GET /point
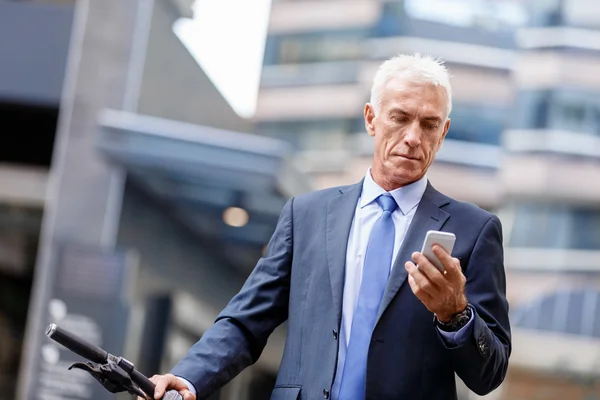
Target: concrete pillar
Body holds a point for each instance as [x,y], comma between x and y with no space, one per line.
[104,70]
[158,313]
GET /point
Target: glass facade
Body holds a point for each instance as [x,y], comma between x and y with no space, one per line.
[555,226]
[335,73]
[575,312]
[335,45]
[571,13]
[492,24]
[562,108]
[338,56]
[565,118]
[322,134]
[477,123]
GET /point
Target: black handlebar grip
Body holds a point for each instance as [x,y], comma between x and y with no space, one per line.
[144,383]
[148,387]
[76,344]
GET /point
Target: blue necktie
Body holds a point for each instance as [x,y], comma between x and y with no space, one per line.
[376,270]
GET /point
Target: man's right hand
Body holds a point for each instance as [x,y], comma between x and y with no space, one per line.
[170,382]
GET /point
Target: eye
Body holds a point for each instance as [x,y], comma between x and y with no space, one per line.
[430,125]
[399,118]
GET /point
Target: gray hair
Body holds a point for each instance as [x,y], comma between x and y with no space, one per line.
[419,68]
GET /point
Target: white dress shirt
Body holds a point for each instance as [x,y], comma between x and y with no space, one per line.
[366,214]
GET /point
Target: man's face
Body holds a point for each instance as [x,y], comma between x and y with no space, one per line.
[408,130]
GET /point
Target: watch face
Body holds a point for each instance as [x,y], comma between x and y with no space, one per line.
[463,318]
[459,320]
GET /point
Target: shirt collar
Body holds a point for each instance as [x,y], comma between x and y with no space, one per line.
[407,197]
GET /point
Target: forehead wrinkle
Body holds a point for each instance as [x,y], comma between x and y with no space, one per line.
[430,115]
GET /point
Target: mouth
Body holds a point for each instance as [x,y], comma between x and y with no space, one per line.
[408,157]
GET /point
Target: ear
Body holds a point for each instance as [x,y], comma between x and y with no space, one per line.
[370,119]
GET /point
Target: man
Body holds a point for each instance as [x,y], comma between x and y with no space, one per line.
[368,315]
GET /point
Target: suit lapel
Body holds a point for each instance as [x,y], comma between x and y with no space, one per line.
[428,217]
[340,214]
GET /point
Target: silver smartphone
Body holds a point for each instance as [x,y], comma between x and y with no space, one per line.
[444,239]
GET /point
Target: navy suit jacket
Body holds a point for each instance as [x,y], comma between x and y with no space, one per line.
[301,277]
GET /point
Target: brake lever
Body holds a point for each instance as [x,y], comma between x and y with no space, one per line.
[111,376]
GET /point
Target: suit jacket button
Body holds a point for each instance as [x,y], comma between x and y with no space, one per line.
[326,393]
[335,334]
[482,346]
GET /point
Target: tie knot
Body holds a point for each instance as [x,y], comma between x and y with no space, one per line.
[387,202]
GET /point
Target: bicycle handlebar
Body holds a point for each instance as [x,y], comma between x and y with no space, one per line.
[144,383]
[77,345]
[97,355]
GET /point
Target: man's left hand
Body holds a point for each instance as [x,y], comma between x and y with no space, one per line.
[442,293]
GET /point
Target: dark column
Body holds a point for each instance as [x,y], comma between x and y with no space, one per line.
[158,311]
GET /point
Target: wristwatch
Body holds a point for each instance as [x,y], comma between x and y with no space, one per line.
[458,320]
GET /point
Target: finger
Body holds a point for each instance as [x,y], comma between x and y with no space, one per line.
[421,280]
[418,292]
[162,383]
[187,395]
[429,270]
[451,264]
[442,255]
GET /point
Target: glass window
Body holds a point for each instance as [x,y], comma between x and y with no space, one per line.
[576,113]
[390,22]
[553,226]
[575,312]
[593,317]
[316,47]
[561,109]
[334,73]
[471,21]
[326,134]
[545,13]
[481,124]
[531,109]
[540,112]
[596,119]
[467,13]
[546,312]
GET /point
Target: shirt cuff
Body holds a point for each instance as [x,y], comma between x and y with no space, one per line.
[460,337]
[189,384]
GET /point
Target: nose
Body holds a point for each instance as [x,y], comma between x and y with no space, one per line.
[413,135]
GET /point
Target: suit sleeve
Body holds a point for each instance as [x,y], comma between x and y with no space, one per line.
[241,330]
[482,360]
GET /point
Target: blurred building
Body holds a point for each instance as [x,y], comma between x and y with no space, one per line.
[151,162]
[156,200]
[551,208]
[320,62]
[523,143]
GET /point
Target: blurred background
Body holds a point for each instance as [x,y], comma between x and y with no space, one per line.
[148,147]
